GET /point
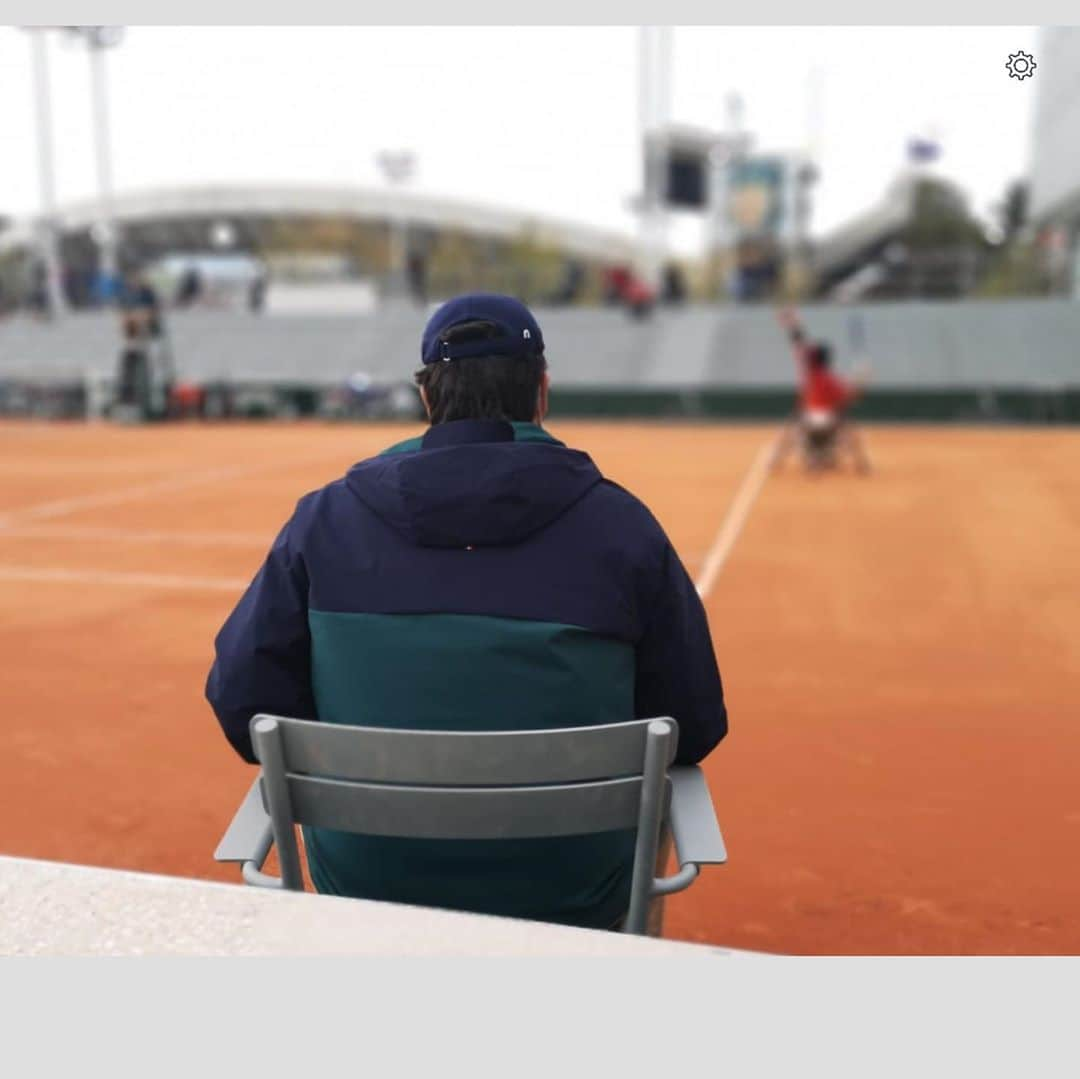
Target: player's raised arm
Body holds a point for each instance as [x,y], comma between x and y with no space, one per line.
[788,318]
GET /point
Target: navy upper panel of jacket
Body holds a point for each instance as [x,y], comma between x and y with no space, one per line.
[482,577]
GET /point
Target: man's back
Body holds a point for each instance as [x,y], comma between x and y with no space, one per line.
[484,577]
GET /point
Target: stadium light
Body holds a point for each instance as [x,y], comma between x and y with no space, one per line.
[97,39]
[397,165]
[222,234]
[48,238]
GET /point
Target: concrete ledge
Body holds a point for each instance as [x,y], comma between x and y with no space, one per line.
[51,908]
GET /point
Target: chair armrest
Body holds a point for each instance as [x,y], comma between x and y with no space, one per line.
[694,829]
[248,839]
[694,826]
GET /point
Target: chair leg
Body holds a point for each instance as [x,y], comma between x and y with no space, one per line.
[655,925]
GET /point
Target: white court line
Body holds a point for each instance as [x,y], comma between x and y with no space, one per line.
[71,467]
[64,533]
[137,580]
[730,529]
[736,517]
[60,506]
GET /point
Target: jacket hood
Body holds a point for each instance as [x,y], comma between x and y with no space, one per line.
[474,493]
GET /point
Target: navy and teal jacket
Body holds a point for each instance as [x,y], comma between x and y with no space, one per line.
[482,577]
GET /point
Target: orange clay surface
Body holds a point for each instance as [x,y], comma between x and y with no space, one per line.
[901,656]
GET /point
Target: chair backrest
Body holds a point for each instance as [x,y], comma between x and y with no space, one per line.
[458,784]
[466,784]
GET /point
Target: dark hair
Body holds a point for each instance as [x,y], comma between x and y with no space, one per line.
[820,355]
[481,387]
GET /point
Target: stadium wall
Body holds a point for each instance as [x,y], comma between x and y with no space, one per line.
[1016,360]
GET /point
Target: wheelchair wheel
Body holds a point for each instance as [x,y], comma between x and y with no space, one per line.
[819,447]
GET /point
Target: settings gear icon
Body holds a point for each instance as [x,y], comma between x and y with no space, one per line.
[1020,65]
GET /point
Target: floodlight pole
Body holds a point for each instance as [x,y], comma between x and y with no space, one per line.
[654,115]
[815,130]
[398,167]
[726,154]
[717,232]
[97,40]
[104,164]
[48,239]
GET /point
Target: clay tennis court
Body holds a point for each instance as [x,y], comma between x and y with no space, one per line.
[901,656]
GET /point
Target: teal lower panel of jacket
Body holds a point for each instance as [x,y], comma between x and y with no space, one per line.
[470,672]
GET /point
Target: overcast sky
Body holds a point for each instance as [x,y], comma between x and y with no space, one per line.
[540,119]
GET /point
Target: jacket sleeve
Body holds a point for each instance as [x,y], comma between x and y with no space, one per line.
[263,651]
[677,674]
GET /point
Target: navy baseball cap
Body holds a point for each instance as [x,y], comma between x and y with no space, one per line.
[515,333]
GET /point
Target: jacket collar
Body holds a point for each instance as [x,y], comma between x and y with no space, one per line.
[463,432]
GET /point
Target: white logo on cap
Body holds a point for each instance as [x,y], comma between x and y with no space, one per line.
[526,334]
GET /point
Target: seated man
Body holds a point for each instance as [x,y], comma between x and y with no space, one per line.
[146,372]
[824,399]
[481,577]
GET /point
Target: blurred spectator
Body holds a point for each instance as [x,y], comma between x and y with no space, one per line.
[616,280]
[416,271]
[106,288]
[79,286]
[640,298]
[569,288]
[674,284]
[141,306]
[623,286]
[69,285]
[190,287]
[257,293]
[38,298]
[187,400]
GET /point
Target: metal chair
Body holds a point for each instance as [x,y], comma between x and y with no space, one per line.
[476,785]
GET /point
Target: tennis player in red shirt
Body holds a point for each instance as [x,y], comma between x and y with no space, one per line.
[821,424]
